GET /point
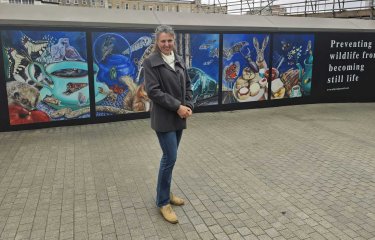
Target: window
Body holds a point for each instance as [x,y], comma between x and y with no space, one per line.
[126,6]
[150,8]
[144,8]
[118,6]
[76,2]
[157,8]
[67,1]
[177,9]
[84,2]
[101,3]
[134,7]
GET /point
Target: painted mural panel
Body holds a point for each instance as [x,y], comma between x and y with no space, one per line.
[202,61]
[245,61]
[292,65]
[46,75]
[120,81]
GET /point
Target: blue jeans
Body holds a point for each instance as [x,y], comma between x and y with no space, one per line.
[169,142]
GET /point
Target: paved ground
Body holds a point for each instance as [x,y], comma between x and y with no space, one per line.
[297,172]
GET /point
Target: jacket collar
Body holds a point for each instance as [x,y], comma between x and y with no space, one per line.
[157,60]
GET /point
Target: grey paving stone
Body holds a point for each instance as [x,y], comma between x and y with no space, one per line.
[81,236]
[192,235]
[206,235]
[264,237]
[296,172]
[229,229]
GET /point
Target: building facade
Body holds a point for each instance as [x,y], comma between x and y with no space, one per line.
[83,3]
[151,5]
[18,2]
[166,6]
[145,5]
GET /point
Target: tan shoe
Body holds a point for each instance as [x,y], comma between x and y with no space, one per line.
[168,213]
[176,200]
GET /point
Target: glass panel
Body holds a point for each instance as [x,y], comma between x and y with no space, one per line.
[202,60]
[47,76]
[292,65]
[119,83]
[245,59]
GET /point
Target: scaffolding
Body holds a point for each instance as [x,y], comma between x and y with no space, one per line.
[312,8]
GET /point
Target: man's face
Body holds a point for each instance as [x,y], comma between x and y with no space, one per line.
[166,43]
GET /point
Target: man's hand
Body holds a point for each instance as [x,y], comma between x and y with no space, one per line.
[184,112]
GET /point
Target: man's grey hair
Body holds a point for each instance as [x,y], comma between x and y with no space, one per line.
[162,29]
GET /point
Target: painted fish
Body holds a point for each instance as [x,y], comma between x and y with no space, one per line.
[51,100]
[142,42]
[139,63]
[204,46]
[74,87]
[208,62]
[214,53]
[236,48]
[231,71]
[145,55]
[107,46]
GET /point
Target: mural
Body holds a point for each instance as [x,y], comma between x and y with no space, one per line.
[292,65]
[202,61]
[120,82]
[245,61]
[46,76]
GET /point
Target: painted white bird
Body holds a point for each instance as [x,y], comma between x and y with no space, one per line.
[62,50]
[58,49]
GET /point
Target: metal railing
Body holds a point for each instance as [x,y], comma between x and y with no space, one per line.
[322,8]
